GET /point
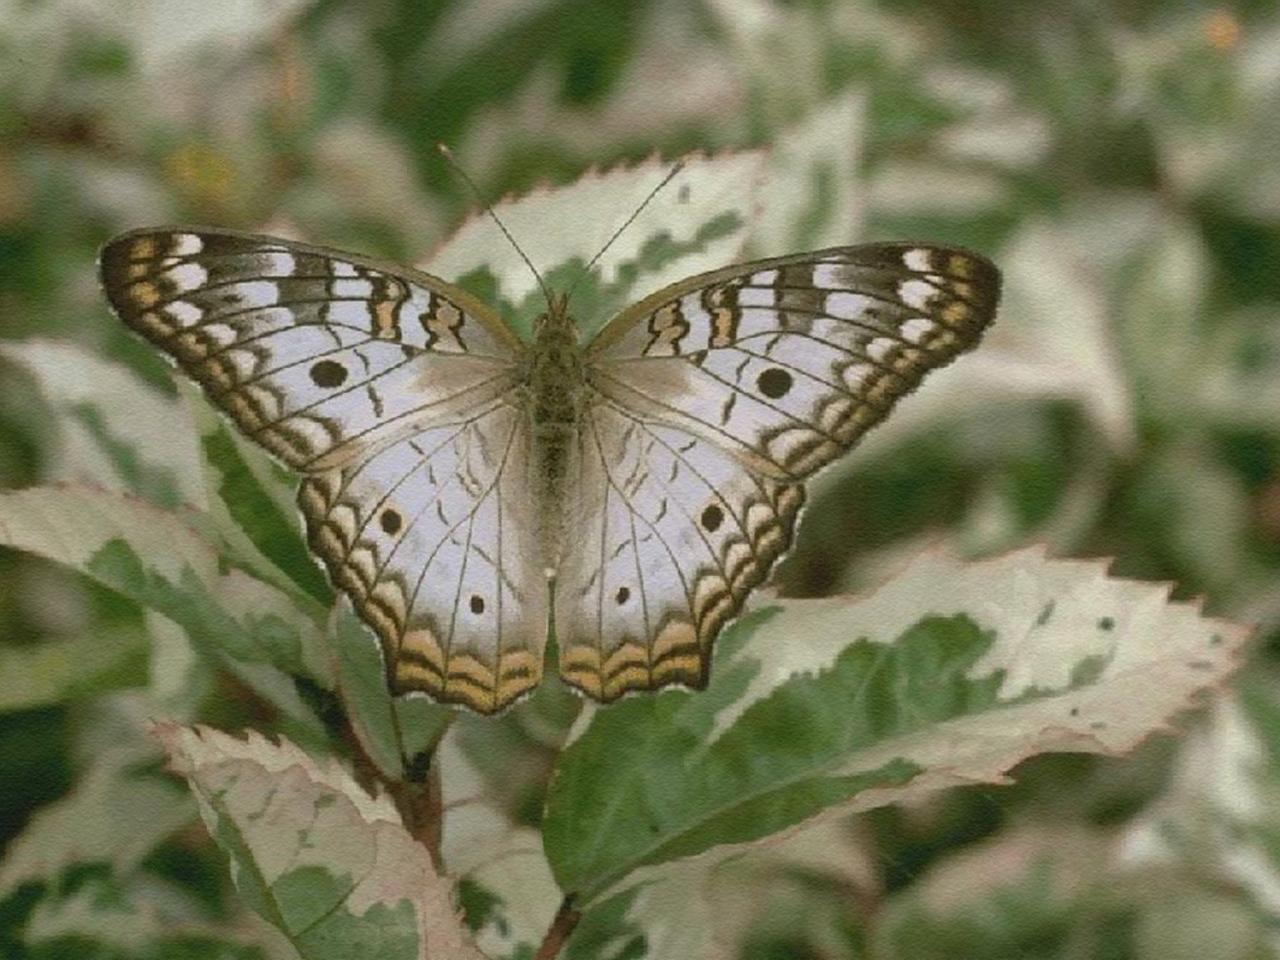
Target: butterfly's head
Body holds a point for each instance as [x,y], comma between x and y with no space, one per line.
[556,322]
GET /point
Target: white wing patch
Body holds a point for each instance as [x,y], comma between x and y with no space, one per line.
[788,362]
[433,539]
[315,357]
[672,535]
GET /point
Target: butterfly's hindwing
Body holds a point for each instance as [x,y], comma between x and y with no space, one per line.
[314,354]
[671,534]
[432,537]
[787,362]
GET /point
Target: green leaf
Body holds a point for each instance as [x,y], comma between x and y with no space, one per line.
[685,789]
[505,885]
[1162,329]
[157,558]
[122,807]
[67,668]
[950,673]
[391,730]
[142,917]
[111,428]
[257,498]
[1018,896]
[1218,821]
[315,855]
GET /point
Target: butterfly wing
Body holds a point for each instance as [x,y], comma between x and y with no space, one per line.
[714,399]
[314,354]
[391,390]
[671,535]
[431,537]
[787,362]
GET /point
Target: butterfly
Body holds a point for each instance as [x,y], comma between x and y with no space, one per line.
[475,493]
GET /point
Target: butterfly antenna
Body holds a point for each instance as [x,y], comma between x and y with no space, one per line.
[586,271]
[453,161]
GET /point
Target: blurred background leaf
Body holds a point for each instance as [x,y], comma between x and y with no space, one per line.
[1118,161]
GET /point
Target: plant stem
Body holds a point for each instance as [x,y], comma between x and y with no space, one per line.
[421,804]
[565,920]
[421,807]
[366,771]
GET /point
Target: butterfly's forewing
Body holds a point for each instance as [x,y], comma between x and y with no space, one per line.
[788,361]
[313,353]
[769,370]
[391,390]
[433,538]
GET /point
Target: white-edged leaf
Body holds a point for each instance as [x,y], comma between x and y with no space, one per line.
[361,172]
[706,906]
[252,502]
[158,558]
[698,222]
[1030,884]
[111,429]
[992,127]
[496,861]
[329,865]
[121,807]
[180,678]
[812,196]
[914,188]
[1051,340]
[169,36]
[146,917]
[951,673]
[666,909]
[675,75]
[1218,819]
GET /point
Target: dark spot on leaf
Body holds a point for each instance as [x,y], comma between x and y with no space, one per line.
[1215,640]
[477,603]
[1106,623]
[774,383]
[1097,725]
[712,517]
[1088,670]
[1075,711]
[623,595]
[390,522]
[328,373]
[1046,613]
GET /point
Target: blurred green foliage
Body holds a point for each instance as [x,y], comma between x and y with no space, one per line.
[1119,161]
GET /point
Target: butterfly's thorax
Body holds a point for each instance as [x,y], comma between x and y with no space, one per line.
[556,385]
